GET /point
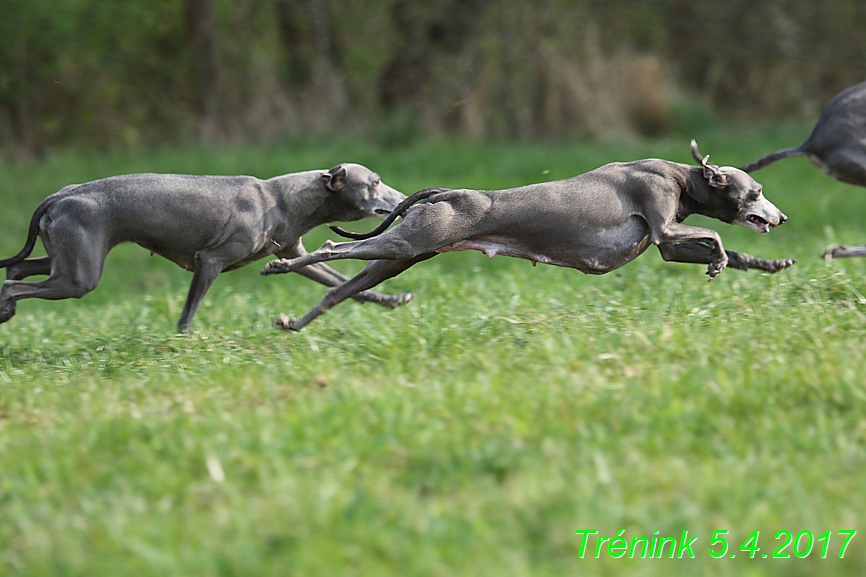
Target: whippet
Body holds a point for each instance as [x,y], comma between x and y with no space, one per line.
[595,222]
[837,146]
[205,224]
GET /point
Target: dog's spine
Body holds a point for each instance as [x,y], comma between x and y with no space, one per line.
[32,233]
[773,157]
[401,208]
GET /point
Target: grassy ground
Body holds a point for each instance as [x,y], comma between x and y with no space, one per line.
[470,433]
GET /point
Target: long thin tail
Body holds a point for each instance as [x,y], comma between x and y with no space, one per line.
[32,233]
[401,208]
[773,157]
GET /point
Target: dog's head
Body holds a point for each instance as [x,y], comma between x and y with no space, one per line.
[732,196]
[357,192]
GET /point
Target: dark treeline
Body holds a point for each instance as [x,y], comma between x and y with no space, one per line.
[109,73]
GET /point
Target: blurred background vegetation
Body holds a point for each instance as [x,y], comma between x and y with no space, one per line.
[131,73]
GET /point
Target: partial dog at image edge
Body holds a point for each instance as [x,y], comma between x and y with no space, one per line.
[837,147]
[595,222]
[205,224]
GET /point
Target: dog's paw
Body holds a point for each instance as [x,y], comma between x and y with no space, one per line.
[782,264]
[831,251]
[394,301]
[716,268]
[287,324]
[7,311]
[275,267]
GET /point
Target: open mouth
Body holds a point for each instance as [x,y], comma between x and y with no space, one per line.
[761,224]
[381,212]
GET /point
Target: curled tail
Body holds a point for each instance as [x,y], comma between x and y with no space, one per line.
[773,157]
[401,208]
[32,233]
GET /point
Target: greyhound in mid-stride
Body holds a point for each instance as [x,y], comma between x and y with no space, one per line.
[837,146]
[205,224]
[595,222]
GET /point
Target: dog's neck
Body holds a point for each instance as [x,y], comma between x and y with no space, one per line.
[698,197]
[302,194]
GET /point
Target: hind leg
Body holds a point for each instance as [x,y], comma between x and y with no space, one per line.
[374,273]
[29,267]
[388,246]
[323,274]
[75,262]
[20,271]
[57,287]
[327,276]
[426,229]
[847,165]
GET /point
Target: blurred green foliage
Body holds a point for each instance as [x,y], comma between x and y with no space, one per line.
[110,73]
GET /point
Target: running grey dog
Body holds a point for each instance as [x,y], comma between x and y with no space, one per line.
[595,222]
[837,146]
[205,224]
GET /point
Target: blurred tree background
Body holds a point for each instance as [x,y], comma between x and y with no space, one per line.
[114,73]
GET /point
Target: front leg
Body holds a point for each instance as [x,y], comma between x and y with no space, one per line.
[673,235]
[699,253]
[743,261]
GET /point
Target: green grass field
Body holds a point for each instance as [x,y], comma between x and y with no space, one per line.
[470,433]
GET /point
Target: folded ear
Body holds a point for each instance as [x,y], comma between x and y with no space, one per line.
[714,175]
[335,178]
